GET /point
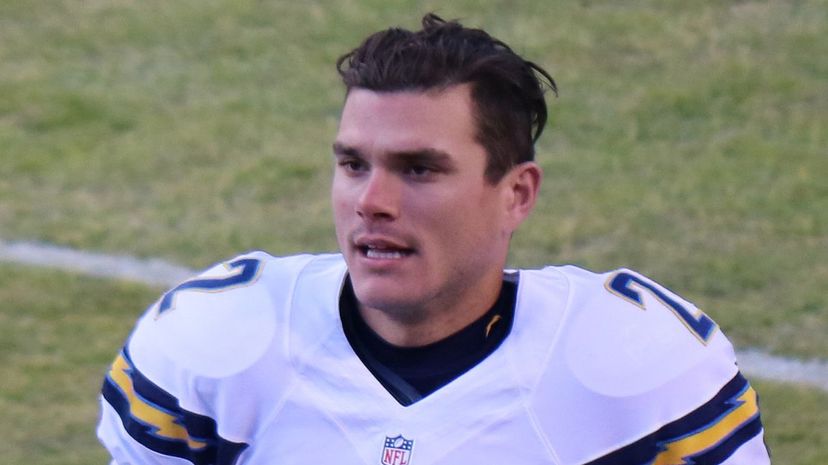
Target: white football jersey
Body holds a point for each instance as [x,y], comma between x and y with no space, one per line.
[248,364]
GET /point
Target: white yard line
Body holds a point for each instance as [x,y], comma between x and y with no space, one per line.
[757,363]
[156,272]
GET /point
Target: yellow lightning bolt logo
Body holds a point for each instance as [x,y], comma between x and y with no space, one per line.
[678,451]
[165,425]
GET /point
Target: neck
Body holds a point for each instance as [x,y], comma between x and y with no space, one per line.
[437,320]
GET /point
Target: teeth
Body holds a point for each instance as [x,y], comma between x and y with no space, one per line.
[383,254]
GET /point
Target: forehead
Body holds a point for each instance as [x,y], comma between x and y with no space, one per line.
[408,120]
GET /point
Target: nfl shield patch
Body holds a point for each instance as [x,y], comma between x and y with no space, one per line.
[397,450]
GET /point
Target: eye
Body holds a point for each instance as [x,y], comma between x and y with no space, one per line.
[352,165]
[420,172]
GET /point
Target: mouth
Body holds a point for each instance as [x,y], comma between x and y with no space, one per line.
[383,250]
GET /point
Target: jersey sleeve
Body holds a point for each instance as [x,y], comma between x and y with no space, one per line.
[142,423]
[179,390]
[724,430]
[723,426]
[647,378]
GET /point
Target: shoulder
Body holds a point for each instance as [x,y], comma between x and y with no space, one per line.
[632,353]
[223,319]
[620,332]
[207,363]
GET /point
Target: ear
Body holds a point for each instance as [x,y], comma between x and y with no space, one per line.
[522,186]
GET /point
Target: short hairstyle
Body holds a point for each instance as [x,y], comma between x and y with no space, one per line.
[507,91]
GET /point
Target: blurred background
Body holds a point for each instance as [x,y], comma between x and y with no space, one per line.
[688,142]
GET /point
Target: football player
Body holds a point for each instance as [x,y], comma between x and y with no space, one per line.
[413,345]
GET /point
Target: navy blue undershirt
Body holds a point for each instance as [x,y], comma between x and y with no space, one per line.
[411,373]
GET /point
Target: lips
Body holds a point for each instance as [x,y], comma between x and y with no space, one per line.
[382,248]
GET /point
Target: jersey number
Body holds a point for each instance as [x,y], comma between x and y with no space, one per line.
[627,286]
[245,271]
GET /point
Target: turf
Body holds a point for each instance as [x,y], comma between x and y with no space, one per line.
[687,142]
[58,333]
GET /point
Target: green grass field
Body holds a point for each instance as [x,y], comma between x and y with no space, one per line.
[688,142]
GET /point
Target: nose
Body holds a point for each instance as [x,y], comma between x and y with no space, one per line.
[379,197]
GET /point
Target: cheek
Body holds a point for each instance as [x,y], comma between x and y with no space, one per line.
[480,229]
[341,206]
[462,222]
[340,195]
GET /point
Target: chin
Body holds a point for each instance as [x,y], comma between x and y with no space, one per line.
[389,298]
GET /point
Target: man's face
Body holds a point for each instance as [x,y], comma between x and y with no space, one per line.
[420,227]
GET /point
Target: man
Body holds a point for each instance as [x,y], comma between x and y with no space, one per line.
[414,346]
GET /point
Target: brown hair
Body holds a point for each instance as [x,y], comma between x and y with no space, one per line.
[507,91]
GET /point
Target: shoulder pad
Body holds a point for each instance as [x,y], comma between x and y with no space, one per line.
[626,334]
[221,321]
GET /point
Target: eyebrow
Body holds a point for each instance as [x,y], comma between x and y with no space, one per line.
[423,155]
[344,150]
